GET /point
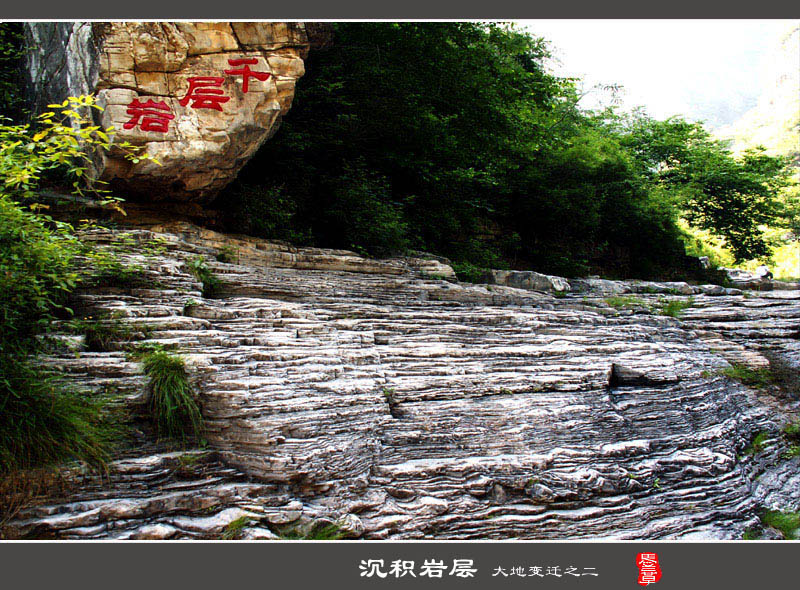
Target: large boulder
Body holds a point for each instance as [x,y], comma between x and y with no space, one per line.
[530,280]
[200,97]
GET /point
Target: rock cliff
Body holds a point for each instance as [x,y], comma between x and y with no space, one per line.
[202,97]
[369,394]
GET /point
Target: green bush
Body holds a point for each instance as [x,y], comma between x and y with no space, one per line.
[228,255]
[625,301]
[265,212]
[757,444]
[42,420]
[36,275]
[792,431]
[415,149]
[108,271]
[171,403]
[469,273]
[361,215]
[106,334]
[212,284]
[12,63]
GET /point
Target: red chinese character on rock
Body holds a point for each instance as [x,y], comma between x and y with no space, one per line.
[204,92]
[246,73]
[150,116]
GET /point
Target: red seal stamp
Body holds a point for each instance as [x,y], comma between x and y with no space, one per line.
[649,570]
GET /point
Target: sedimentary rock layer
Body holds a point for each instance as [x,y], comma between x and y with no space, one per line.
[363,392]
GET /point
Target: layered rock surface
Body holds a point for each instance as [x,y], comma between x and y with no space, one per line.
[178,70]
[363,392]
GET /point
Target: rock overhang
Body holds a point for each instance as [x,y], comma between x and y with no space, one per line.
[199,98]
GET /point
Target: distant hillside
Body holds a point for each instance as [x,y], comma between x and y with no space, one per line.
[775,121]
[775,124]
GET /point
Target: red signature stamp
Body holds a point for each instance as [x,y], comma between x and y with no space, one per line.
[649,570]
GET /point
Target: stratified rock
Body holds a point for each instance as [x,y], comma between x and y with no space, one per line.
[674,288]
[743,279]
[599,286]
[201,139]
[534,281]
[341,390]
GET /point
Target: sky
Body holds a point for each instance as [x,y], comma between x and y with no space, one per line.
[706,70]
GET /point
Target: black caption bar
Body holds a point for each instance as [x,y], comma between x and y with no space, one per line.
[435,565]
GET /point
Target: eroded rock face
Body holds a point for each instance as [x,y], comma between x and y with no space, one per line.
[361,392]
[178,70]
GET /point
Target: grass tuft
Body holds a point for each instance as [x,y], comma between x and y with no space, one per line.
[330,532]
[626,301]
[752,377]
[234,529]
[792,452]
[172,406]
[792,431]
[787,523]
[757,444]
[751,534]
[44,421]
[675,307]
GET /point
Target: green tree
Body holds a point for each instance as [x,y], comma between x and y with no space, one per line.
[731,197]
[455,138]
[12,83]
[422,120]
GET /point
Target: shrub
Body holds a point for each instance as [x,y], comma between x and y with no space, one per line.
[792,431]
[172,406]
[757,444]
[228,255]
[469,273]
[36,255]
[108,271]
[792,452]
[43,420]
[212,285]
[751,534]
[100,335]
[261,211]
[12,62]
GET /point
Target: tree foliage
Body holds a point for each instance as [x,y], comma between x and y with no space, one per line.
[455,138]
[730,197]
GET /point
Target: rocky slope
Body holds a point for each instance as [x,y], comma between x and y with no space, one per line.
[376,395]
